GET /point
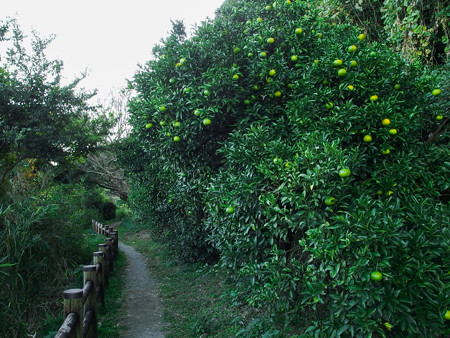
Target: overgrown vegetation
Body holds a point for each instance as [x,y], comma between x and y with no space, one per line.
[44,203]
[304,157]
[416,28]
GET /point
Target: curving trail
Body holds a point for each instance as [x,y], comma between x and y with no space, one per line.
[143,307]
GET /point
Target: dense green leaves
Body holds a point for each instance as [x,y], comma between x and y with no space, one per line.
[39,117]
[282,128]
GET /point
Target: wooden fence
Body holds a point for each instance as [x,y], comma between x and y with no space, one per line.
[80,305]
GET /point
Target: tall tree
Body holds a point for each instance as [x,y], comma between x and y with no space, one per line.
[39,117]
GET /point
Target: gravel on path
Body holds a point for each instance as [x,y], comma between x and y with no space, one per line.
[143,307]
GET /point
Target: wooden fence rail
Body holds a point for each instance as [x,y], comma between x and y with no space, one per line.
[80,305]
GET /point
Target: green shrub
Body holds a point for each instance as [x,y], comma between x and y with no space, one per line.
[41,242]
[260,184]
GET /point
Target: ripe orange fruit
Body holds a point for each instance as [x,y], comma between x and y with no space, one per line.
[345,172]
[386,122]
[376,276]
[206,122]
[436,92]
[393,131]
[374,98]
[367,138]
[342,72]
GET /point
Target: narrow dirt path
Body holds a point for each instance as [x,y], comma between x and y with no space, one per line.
[143,306]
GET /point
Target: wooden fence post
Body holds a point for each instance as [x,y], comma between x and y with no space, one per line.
[116,241]
[73,314]
[109,243]
[99,261]
[104,249]
[90,301]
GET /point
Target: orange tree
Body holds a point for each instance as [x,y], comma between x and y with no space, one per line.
[311,161]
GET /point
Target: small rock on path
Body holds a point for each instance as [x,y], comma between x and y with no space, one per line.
[144,312]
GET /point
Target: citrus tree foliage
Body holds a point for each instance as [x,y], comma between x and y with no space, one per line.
[313,162]
[40,118]
[417,28]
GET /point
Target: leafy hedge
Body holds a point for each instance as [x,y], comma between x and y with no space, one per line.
[241,134]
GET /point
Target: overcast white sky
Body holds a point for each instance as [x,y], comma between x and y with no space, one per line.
[106,37]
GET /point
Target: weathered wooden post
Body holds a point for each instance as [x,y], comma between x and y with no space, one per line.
[90,301]
[73,314]
[104,249]
[109,243]
[107,230]
[99,262]
[115,243]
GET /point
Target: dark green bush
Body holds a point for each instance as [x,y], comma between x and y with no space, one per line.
[109,210]
[260,184]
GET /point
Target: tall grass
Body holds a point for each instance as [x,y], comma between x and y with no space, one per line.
[41,242]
